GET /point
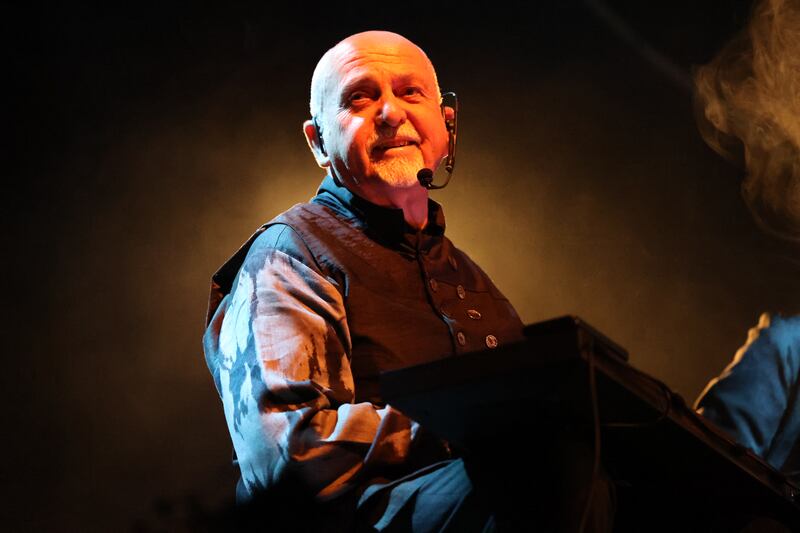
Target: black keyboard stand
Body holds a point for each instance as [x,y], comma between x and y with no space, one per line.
[673,470]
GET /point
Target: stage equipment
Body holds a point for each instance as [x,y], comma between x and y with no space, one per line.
[673,470]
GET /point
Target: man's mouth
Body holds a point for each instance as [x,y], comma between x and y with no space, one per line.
[392,144]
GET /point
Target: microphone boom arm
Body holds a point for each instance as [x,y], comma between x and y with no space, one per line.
[425,175]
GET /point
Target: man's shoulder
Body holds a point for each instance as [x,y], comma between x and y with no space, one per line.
[283,235]
[297,233]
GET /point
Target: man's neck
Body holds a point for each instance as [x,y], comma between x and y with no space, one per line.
[412,200]
[415,209]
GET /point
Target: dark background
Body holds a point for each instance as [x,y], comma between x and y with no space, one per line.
[148,142]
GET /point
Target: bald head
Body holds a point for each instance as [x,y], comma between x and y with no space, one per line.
[378,119]
[384,43]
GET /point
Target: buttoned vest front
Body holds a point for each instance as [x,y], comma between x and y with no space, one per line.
[407,303]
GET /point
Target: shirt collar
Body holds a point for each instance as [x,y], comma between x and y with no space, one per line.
[383,222]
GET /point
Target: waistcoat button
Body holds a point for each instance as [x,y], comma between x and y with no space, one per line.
[491,341]
[461,292]
[462,340]
[474,314]
[434,285]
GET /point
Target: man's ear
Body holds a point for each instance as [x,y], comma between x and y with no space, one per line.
[310,131]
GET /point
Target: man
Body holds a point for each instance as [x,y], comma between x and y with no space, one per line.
[360,280]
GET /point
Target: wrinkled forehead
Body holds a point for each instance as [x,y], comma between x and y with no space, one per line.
[352,61]
[352,64]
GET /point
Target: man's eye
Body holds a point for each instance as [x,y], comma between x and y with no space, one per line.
[412,91]
[358,97]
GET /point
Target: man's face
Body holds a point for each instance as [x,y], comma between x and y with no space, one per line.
[381,120]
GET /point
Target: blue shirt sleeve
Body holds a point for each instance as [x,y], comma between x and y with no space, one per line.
[756,399]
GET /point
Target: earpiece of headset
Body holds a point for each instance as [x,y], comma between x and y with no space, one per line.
[450,99]
[318,133]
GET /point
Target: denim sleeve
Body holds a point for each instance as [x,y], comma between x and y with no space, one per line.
[755,399]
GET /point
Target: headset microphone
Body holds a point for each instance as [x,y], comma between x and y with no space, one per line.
[425,175]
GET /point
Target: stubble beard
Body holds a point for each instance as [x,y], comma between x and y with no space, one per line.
[400,171]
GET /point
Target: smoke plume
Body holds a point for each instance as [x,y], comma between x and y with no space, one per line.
[748,103]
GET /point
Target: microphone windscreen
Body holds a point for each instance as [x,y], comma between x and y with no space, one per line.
[425,177]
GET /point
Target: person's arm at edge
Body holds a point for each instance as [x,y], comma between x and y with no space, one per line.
[755,399]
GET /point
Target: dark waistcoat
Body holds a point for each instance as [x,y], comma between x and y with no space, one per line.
[410,296]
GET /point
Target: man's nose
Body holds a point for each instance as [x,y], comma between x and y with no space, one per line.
[391,113]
